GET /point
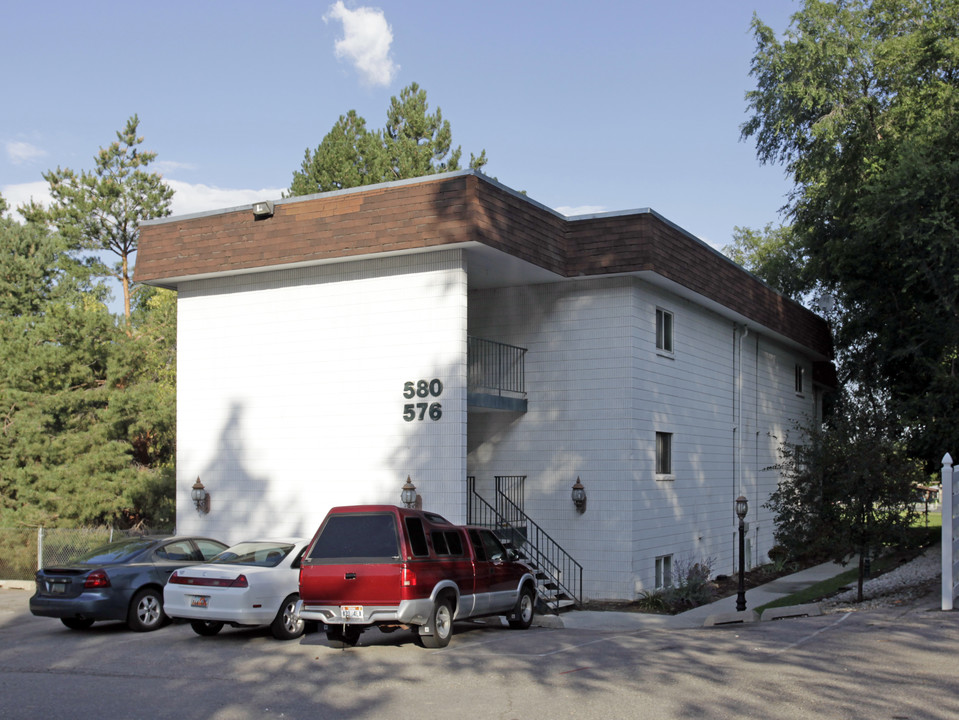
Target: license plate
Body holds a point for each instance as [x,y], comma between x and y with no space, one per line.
[351,612]
[58,588]
[200,601]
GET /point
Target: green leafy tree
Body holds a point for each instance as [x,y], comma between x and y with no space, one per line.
[848,487]
[414,143]
[349,156]
[86,410]
[101,211]
[771,254]
[860,102]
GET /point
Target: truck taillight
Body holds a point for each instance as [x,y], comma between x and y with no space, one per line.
[97,579]
[409,577]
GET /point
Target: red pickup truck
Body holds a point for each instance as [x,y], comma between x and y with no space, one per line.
[396,567]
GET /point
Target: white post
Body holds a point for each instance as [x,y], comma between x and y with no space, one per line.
[39,548]
[948,533]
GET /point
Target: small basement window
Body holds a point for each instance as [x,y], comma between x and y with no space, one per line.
[664,572]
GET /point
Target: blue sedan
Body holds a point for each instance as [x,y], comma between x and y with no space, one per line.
[120,581]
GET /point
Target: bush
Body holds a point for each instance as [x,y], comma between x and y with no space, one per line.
[692,586]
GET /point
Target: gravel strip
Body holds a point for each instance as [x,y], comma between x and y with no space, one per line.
[907,582]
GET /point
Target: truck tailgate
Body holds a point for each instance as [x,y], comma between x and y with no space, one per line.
[351,584]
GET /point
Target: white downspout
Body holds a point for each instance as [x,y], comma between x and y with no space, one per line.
[739,422]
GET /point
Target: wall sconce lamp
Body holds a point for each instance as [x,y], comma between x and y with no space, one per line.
[579,496]
[262,210]
[408,495]
[201,498]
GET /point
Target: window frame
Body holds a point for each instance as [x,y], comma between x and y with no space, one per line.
[664,454]
[665,330]
[663,572]
[800,379]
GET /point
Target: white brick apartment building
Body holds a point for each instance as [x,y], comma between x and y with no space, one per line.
[448,328]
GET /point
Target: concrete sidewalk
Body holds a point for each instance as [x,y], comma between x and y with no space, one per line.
[720,612]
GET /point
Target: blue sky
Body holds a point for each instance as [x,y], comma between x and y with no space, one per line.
[588,107]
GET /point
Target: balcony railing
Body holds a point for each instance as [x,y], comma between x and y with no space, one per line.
[496,375]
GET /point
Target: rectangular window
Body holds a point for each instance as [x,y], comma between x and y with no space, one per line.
[664,453]
[664,572]
[800,374]
[417,537]
[664,330]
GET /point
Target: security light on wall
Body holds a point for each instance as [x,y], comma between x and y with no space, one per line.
[263,209]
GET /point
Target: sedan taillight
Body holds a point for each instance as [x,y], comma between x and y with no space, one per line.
[97,579]
[241,581]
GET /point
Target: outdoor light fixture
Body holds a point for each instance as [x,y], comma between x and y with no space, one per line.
[408,496]
[742,507]
[579,496]
[263,209]
[201,498]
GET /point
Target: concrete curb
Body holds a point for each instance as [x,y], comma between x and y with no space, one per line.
[549,621]
[17,584]
[794,611]
[746,616]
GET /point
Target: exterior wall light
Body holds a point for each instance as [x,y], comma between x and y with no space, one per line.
[579,496]
[201,498]
[408,495]
[262,210]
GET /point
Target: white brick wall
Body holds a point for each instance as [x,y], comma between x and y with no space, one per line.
[290,400]
[598,392]
[290,392]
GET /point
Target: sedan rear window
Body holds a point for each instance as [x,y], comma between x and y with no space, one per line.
[116,552]
[357,536]
[263,554]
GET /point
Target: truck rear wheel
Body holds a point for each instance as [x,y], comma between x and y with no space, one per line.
[440,625]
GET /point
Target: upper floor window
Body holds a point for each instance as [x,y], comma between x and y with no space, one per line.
[664,453]
[664,330]
[800,377]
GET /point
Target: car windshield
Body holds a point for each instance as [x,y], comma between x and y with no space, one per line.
[264,554]
[116,552]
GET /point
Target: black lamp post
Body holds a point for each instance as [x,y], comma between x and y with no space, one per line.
[742,507]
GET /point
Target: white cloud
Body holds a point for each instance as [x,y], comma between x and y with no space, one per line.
[170,166]
[188,198]
[17,195]
[194,198]
[22,152]
[572,211]
[366,42]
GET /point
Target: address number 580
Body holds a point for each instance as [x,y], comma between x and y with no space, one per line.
[421,410]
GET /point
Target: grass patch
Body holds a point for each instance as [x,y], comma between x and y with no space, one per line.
[931,520]
[827,588]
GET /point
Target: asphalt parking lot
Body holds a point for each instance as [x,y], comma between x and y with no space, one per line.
[896,663]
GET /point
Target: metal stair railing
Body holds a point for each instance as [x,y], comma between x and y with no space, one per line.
[546,554]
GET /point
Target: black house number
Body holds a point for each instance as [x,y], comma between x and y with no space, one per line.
[422,389]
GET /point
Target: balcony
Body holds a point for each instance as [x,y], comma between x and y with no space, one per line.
[496,377]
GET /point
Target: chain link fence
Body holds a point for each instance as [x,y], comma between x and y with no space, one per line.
[24,550]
